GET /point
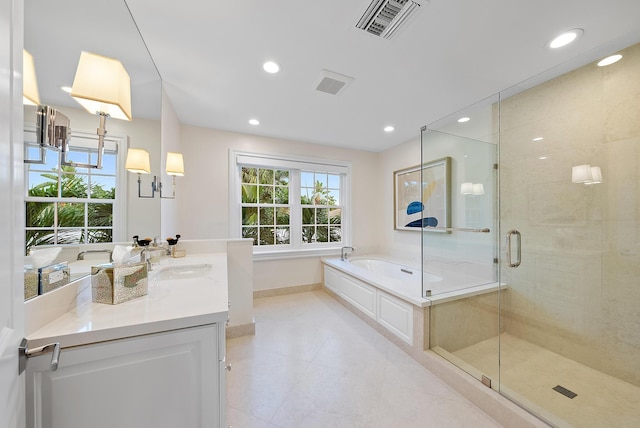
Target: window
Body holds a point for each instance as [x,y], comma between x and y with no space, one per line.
[289,204]
[73,205]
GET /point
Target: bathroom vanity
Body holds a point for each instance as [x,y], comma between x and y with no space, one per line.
[155,361]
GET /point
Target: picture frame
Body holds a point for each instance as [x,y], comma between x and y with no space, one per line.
[422,197]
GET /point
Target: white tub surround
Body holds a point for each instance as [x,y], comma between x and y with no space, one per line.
[147,359]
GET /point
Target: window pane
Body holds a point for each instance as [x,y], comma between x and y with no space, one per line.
[266,235]
[250,232]
[282,177]
[266,194]
[100,215]
[249,175]
[265,176]
[266,216]
[40,237]
[322,216]
[70,214]
[322,233]
[308,234]
[306,179]
[109,162]
[334,181]
[71,236]
[321,180]
[335,234]
[282,195]
[335,216]
[40,214]
[43,184]
[282,235]
[282,216]
[308,216]
[249,216]
[78,157]
[249,194]
[103,187]
[99,235]
[333,197]
[74,186]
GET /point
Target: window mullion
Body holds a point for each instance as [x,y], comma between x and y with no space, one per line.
[295,214]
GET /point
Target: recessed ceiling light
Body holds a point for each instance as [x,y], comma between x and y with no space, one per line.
[565,38]
[537,139]
[610,60]
[464,119]
[67,89]
[389,128]
[543,157]
[271,67]
[254,122]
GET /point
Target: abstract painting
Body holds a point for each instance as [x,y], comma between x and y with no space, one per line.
[422,196]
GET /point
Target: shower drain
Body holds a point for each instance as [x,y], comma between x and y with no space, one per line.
[564,391]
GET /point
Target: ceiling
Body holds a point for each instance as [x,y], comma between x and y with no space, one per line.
[453,53]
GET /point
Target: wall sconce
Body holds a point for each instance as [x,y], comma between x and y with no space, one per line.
[138,162]
[475,189]
[586,174]
[102,86]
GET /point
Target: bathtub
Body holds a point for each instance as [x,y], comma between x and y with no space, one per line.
[405,281]
[391,293]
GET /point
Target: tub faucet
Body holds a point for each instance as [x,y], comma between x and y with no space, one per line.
[344,254]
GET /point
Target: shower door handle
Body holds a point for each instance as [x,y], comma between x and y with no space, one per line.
[510,262]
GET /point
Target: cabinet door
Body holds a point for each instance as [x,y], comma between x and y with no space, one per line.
[167,380]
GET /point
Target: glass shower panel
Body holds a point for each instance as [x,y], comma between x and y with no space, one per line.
[570,185]
[464,293]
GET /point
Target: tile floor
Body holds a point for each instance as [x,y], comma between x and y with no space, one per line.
[312,363]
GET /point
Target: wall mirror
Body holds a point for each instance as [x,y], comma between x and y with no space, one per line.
[56,32]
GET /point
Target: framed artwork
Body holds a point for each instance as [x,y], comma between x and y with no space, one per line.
[422,196]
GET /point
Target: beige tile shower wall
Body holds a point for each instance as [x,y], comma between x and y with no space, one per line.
[576,292]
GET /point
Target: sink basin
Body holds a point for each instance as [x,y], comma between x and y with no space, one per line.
[183,271]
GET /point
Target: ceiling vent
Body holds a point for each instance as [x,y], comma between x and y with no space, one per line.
[384,18]
[331,82]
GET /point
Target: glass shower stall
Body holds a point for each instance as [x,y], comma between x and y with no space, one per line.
[542,243]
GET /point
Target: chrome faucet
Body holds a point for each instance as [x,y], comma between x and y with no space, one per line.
[344,254]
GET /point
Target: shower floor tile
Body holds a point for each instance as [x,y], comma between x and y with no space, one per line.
[529,374]
[313,363]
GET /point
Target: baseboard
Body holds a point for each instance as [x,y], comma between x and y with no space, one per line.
[241,330]
[258,294]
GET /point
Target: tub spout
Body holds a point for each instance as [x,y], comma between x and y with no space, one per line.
[344,254]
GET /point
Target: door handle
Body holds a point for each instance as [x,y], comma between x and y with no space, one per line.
[510,262]
[24,352]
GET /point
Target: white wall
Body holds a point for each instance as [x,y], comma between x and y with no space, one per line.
[203,196]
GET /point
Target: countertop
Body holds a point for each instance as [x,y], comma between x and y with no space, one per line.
[169,305]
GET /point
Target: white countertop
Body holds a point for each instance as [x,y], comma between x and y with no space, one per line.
[169,305]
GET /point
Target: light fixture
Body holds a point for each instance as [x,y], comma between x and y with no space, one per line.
[537,139]
[464,119]
[389,128]
[565,38]
[478,189]
[102,86]
[586,174]
[138,163]
[254,122]
[466,188]
[29,83]
[271,67]
[609,60]
[596,175]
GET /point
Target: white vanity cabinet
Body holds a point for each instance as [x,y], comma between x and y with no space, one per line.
[170,379]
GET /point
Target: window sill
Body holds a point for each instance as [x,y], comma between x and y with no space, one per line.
[296,254]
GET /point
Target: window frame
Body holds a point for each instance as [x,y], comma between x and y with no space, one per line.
[295,164]
[113,142]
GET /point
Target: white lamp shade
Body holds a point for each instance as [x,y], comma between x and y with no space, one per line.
[581,174]
[478,189]
[138,161]
[466,188]
[29,83]
[175,164]
[596,175]
[102,85]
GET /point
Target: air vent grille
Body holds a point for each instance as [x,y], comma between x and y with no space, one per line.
[384,18]
[331,82]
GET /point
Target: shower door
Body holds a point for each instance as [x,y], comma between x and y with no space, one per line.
[569,203]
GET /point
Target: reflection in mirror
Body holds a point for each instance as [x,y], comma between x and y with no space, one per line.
[74,203]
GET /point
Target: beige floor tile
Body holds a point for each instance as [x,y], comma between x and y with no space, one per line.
[313,363]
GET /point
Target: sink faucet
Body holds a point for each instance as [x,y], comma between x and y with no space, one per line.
[344,254]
